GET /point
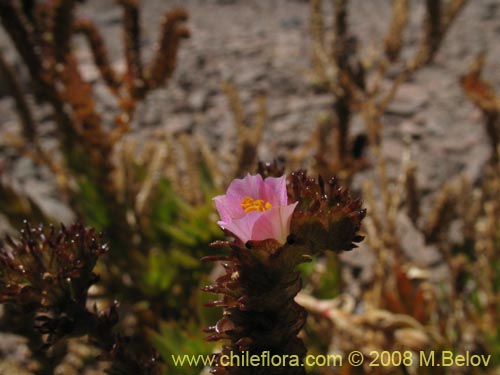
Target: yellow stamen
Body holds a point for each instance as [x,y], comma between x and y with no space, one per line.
[249,204]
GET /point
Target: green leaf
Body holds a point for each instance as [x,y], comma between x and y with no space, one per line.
[160,273]
[92,205]
[182,258]
[179,235]
[176,340]
[330,283]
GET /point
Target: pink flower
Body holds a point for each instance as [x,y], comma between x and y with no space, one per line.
[256,209]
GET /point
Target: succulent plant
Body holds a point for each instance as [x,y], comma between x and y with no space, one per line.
[261,281]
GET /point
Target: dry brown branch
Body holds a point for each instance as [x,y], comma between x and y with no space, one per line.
[23,108]
[340,15]
[393,41]
[154,172]
[481,93]
[248,135]
[316,22]
[209,158]
[340,69]
[235,106]
[412,194]
[441,215]
[317,30]
[372,329]
[190,179]
[164,61]
[341,53]
[62,27]
[21,33]
[249,140]
[433,30]
[89,30]
[132,42]
[439,18]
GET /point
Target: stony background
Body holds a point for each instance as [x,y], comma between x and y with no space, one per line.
[263,47]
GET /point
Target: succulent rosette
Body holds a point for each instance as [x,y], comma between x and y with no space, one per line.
[256,209]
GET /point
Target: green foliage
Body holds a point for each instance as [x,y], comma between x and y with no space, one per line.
[92,204]
[493,343]
[330,283]
[177,221]
[175,340]
[160,273]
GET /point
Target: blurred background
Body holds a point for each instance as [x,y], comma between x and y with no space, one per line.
[130,116]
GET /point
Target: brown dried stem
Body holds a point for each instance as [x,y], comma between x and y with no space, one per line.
[89,30]
[438,20]
[482,94]
[132,40]
[23,108]
[62,27]
[394,39]
[165,59]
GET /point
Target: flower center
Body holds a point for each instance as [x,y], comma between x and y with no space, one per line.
[249,204]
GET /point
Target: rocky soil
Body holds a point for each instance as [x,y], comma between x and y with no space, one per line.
[264,47]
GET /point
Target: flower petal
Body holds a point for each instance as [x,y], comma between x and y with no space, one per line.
[243,227]
[274,223]
[228,208]
[250,186]
[275,192]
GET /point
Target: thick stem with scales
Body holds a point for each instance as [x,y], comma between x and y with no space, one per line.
[260,314]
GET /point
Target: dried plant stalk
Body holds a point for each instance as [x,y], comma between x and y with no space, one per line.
[153,174]
[433,28]
[341,54]
[87,123]
[442,214]
[235,106]
[191,176]
[23,108]
[164,61]
[21,33]
[481,93]
[248,135]
[394,39]
[24,39]
[412,194]
[132,42]
[249,139]
[209,158]
[62,27]
[439,18]
[317,30]
[346,75]
[89,30]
